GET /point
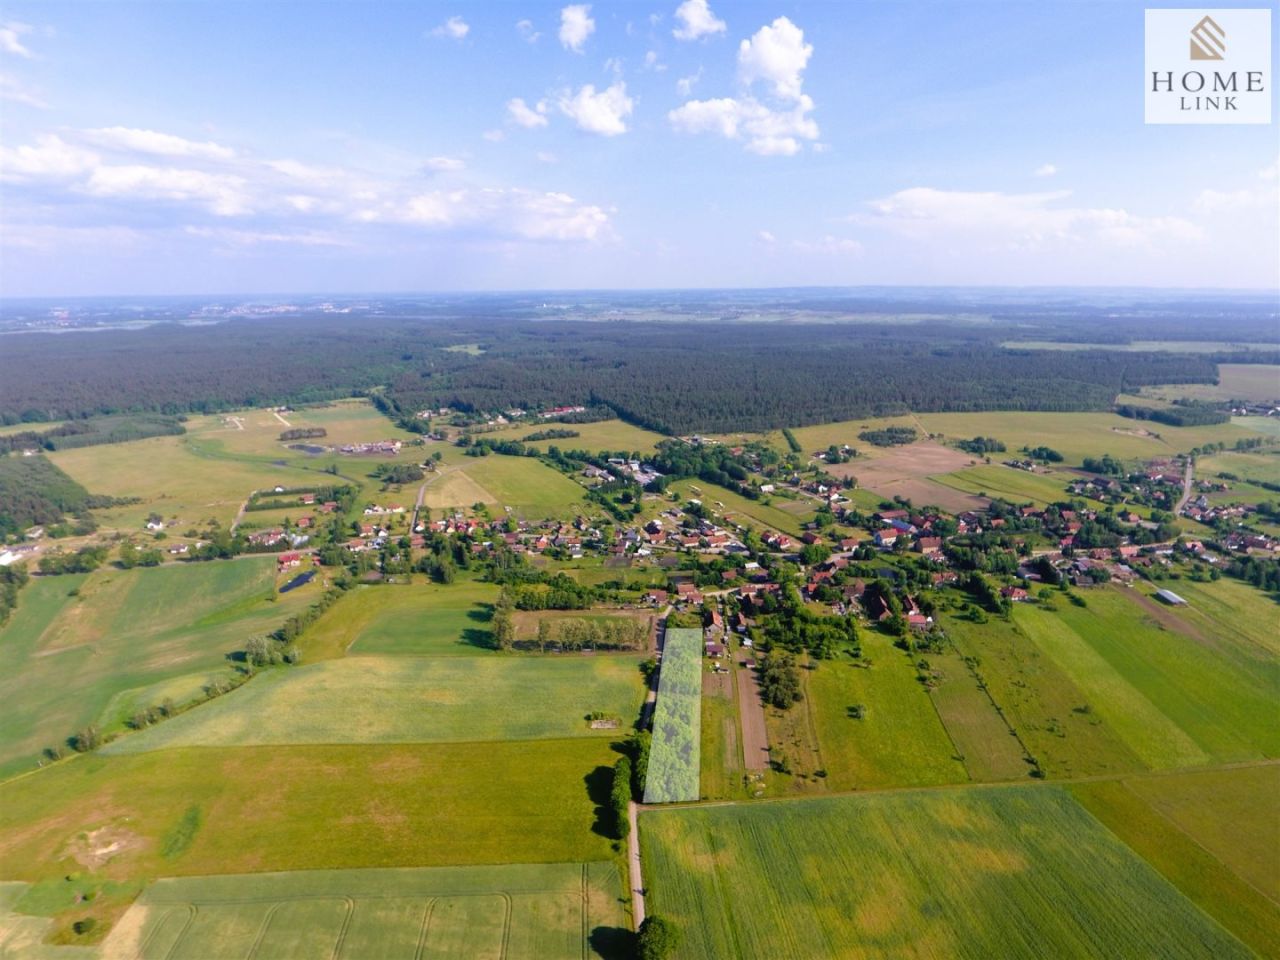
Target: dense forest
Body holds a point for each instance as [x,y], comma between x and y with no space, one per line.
[34,491]
[707,375]
[92,432]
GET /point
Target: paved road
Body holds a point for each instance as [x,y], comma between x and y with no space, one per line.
[1186,488]
[633,865]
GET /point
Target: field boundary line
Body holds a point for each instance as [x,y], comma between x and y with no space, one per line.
[425,926]
[1209,853]
[262,932]
[192,910]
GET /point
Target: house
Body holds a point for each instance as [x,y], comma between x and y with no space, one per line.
[308,498]
[918,621]
[714,650]
[154,525]
[929,545]
[886,538]
[288,560]
[1015,594]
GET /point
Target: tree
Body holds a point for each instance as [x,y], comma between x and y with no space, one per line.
[87,739]
[658,938]
[620,797]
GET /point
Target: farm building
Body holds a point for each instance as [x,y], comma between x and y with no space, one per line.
[1171,598]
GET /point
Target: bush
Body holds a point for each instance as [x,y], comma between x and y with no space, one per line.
[658,938]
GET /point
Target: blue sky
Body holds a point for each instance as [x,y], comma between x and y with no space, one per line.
[201,147]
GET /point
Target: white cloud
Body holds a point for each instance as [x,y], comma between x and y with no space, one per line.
[158,144]
[766,237]
[1254,198]
[11,34]
[525,29]
[685,85]
[575,26]
[50,158]
[223,194]
[1046,170]
[251,238]
[696,20]
[444,164]
[521,113]
[494,136]
[778,55]
[545,156]
[455,28]
[765,130]
[522,214]
[652,62]
[602,112]
[15,91]
[1017,221]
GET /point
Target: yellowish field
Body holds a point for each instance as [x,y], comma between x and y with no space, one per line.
[524,484]
[1080,435]
[172,479]
[615,435]
[821,436]
[1236,381]
[257,432]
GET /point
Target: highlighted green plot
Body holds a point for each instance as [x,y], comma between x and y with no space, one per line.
[677,723]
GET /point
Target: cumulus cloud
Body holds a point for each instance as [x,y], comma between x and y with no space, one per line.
[50,157]
[1046,170]
[575,26]
[777,54]
[603,113]
[519,213]
[651,62]
[829,245]
[765,130]
[773,126]
[11,35]
[252,238]
[1009,221]
[494,136]
[455,28]
[766,237]
[526,31]
[222,194]
[696,21]
[522,114]
[158,144]
[1260,197]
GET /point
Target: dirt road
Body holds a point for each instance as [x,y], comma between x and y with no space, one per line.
[755,736]
[633,868]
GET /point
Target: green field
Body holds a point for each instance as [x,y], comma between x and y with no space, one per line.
[410,700]
[823,435]
[1175,699]
[526,485]
[1016,486]
[1142,346]
[1080,435]
[126,637]
[900,742]
[979,872]
[611,435]
[420,619]
[982,737]
[1041,702]
[1236,381]
[308,808]
[557,910]
[1250,613]
[720,753]
[1247,466]
[1212,834]
[1268,425]
[677,720]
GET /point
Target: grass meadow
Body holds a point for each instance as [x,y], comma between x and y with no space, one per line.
[988,746]
[126,639]
[415,619]
[409,700]
[510,912]
[899,742]
[973,873]
[749,513]
[309,808]
[1016,486]
[1080,435]
[526,485]
[611,435]
[1174,698]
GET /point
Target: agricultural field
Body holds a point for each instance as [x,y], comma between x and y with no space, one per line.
[561,910]
[209,810]
[979,872]
[900,740]
[1080,435]
[1049,712]
[1212,834]
[410,700]
[612,435]
[823,435]
[1007,483]
[986,744]
[1268,425]
[1143,346]
[720,768]
[1236,381]
[1174,698]
[907,471]
[527,486]
[1247,466]
[677,722]
[173,478]
[85,649]
[1250,613]
[256,433]
[413,619]
[526,621]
